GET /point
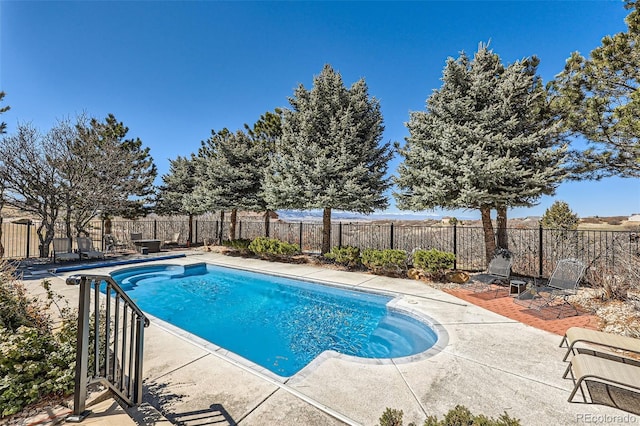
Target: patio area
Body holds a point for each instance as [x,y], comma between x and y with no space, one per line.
[490,362]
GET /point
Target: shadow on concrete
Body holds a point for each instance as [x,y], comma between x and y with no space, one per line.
[214,415]
[159,397]
[613,396]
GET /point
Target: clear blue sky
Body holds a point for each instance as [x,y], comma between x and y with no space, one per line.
[172,71]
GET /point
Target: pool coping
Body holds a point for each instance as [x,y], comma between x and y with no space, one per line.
[491,365]
[395,304]
[110,263]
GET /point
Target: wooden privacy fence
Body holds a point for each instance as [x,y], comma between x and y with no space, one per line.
[536,250]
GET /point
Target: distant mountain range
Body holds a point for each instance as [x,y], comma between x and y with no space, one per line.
[316,216]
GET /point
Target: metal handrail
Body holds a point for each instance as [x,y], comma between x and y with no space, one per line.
[117,334]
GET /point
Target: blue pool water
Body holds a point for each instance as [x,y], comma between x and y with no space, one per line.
[278,323]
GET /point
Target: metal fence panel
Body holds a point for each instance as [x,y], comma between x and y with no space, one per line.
[19,240]
[536,251]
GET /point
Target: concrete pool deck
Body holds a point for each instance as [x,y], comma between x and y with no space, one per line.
[491,364]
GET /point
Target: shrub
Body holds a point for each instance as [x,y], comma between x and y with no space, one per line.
[620,283]
[237,243]
[264,246]
[433,262]
[458,416]
[34,361]
[240,244]
[391,417]
[385,261]
[347,255]
[615,220]
[34,365]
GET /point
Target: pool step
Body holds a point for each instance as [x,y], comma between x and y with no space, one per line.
[394,337]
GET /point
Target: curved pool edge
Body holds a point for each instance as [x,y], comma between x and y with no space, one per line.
[442,336]
[246,364]
[398,298]
[107,264]
[439,345]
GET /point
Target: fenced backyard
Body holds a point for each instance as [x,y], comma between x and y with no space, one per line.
[536,250]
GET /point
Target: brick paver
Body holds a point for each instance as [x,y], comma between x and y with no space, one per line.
[545,319]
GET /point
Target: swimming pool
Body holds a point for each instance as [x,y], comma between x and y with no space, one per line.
[278,323]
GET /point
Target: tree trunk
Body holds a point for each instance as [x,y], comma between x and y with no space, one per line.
[221,232]
[1,245]
[326,231]
[232,225]
[45,240]
[267,223]
[489,238]
[67,223]
[501,223]
[107,225]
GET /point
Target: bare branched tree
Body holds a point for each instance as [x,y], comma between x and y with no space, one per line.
[75,171]
[31,181]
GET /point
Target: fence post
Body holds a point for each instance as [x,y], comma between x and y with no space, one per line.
[218,234]
[195,239]
[102,235]
[28,237]
[540,246]
[300,237]
[82,352]
[155,229]
[137,391]
[239,229]
[455,246]
[391,236]
[339,234]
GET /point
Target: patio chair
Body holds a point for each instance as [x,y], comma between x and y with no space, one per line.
[620,380]
[173,241]
[112,244]
[62,250]
[498,271]
[85,246]
[562,284]
[597,339]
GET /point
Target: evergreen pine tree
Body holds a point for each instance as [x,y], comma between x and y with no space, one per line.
[177,185]
[329,155]
[3,128]
[230,177]
[560,216]
[264,133]
[482,143]
[598,98]
[3,125]
[122,171]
